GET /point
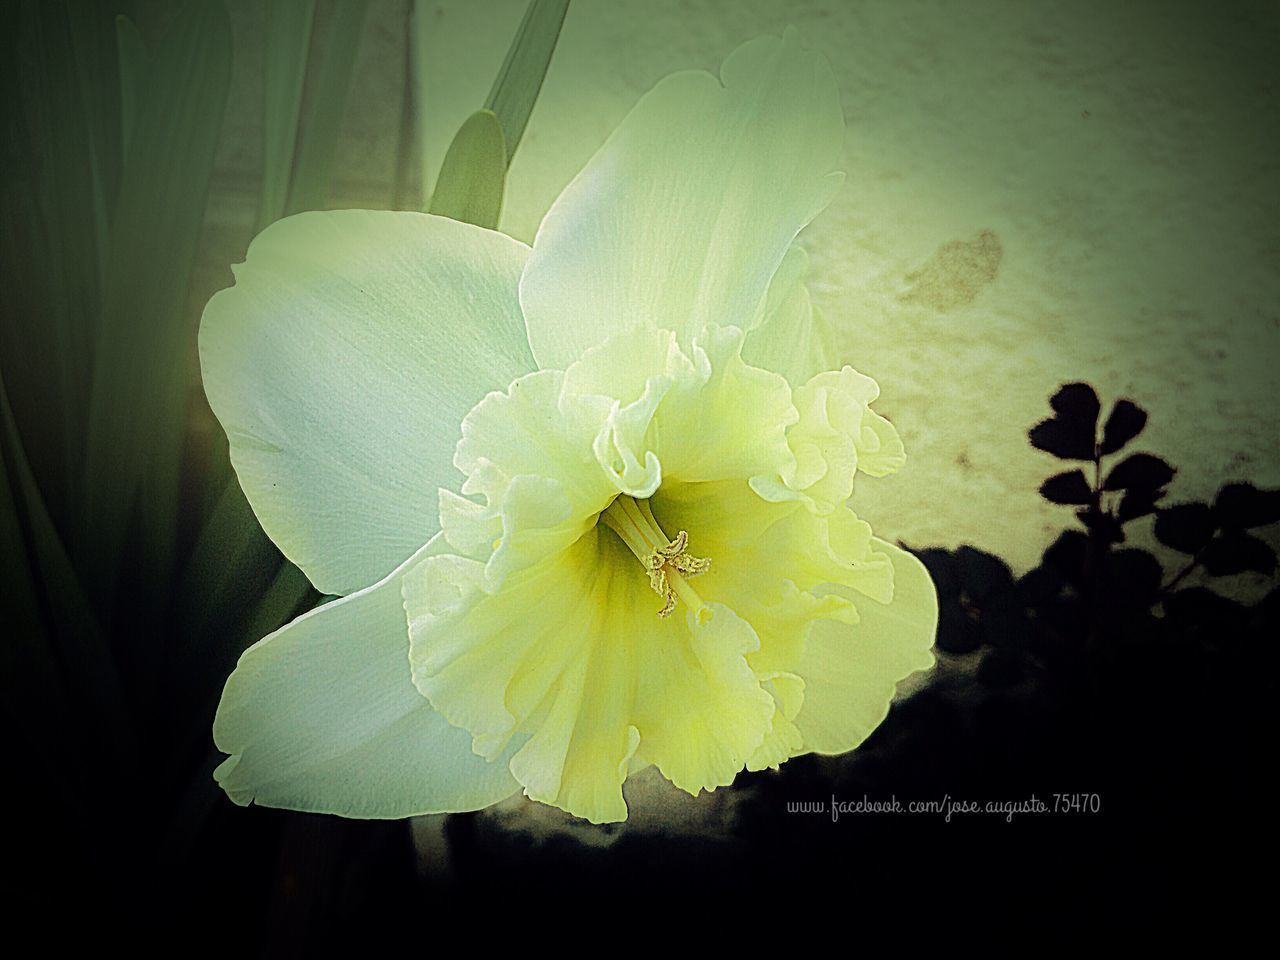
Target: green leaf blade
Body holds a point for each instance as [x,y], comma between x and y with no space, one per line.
[135,65]
[138,404]
[515,89]
[332,58]
[473,175]
[288,41]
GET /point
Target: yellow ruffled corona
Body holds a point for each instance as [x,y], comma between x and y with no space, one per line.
[639,551]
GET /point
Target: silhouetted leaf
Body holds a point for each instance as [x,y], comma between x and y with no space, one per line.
[1039,586]
[1265,618]
[1103,525]
[1067,555]
[1200,606]
[1238,553]
[981,574]
[1138,503]
[942,570]
[1078,404]
[1068,487]
[1060,627]
[1242,505]
[1004,623]
[1132,577]
[1125,422]
[1066,440]
[957,627]
[957,631]
[1000,668]
[1185,527]
[1139,471]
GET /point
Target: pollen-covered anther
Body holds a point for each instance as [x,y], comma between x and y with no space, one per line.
[673,557]
[668,562]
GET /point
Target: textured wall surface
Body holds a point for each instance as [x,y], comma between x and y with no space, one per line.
[1037,192]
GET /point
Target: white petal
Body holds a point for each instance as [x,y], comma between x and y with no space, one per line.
[341,364]
[683,216]
[850,672]
[323,716]
[529,457]
[793,338]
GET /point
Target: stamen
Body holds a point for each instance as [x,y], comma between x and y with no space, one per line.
[667,561]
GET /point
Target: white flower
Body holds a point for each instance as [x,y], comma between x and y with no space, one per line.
[647,556]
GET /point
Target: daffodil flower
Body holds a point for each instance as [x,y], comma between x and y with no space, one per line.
[586,502]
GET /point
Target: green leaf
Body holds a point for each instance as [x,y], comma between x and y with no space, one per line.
[418,88]
[140,381]
[515,89]
[266,602]
[135,65]
[405,193]
[289,595]
[52,222]
[27,654]
[287,42]
[59,654]
[33,692]
[225,563]
[474,172]
[332,61]
[93,33]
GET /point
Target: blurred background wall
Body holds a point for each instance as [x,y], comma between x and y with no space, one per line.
[1037,192]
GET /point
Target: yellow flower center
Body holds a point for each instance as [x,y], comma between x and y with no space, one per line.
[669,564]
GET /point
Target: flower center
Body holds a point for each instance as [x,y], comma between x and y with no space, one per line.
[669,564]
